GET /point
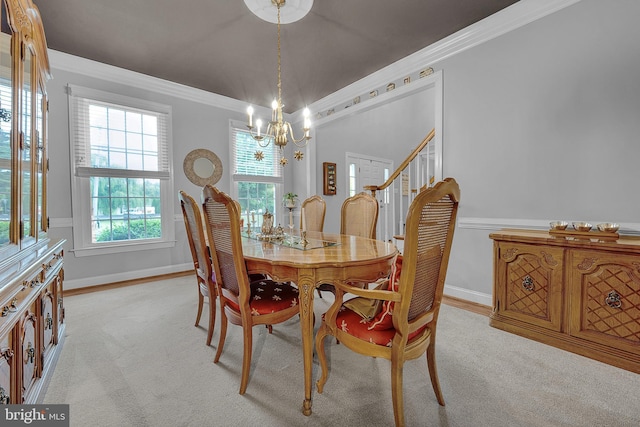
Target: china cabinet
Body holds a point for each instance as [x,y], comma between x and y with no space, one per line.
[581,294]
[31,264]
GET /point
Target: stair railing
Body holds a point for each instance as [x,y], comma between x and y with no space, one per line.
[411,165]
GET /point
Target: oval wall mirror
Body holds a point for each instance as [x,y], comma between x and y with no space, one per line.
[202,167]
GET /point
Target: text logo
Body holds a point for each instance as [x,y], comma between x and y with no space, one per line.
[35,415]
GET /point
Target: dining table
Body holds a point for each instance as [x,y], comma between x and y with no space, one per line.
[310,261]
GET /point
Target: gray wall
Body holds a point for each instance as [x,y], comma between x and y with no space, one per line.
[543,124]
[539,124]
[388,131]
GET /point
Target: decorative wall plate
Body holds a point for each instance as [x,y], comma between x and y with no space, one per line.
[202,167]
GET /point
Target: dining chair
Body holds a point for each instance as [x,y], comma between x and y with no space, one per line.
[242,302]
[201,259]
[359,216]
[254,276]
[405,326]
[313,209]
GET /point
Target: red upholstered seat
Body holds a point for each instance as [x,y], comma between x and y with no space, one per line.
[379,329]
[268,296]
[352,323]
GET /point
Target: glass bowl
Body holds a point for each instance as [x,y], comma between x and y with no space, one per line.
[582,226]
[608,227]
[558,225]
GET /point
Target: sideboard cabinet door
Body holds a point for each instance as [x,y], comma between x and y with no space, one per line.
[529,283]
[605,298]
[6,368]
[29,351]
[60,307]
[47,318]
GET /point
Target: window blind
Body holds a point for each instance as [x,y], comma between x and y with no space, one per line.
[244,147]
[137,146]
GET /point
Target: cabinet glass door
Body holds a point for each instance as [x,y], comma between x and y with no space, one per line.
[27,141]
[5,131]
[40,159]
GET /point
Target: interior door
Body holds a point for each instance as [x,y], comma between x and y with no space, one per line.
[365,170]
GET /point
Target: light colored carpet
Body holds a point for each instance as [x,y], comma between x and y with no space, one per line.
[132,357]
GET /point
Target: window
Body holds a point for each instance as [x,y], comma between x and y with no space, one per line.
[257,184]
[122,182]
[352,179]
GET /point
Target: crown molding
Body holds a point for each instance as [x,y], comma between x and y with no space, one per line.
[508,19]
[70,63]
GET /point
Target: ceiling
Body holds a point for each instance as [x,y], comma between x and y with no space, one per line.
[221,47]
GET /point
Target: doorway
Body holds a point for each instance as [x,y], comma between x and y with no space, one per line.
[366,170]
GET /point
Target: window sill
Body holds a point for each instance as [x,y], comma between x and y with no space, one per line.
[119,248]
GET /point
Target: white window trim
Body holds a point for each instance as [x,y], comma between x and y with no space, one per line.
[81,207]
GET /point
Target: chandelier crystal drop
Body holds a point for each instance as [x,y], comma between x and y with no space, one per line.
[278,130]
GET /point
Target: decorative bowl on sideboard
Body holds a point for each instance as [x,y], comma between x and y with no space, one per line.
[608,227]
[582,226]
[558,225]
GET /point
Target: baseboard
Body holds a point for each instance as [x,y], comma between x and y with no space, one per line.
[468,295]
[108,279]
[474,307]
[114,285]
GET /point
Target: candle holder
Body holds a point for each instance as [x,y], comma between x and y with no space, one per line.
[279,233]
[267,223]
[291,208]
[304,240]
[289,201]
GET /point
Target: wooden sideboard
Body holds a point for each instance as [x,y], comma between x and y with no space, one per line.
[31,325]
[579,294]
[31,264]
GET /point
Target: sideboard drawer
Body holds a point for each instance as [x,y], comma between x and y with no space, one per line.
[605,298]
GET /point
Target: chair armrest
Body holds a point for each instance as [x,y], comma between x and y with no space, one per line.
[370,293]
[422,320]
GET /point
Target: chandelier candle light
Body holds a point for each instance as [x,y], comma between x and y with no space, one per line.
[277,129]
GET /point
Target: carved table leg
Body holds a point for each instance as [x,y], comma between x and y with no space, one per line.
[306,285]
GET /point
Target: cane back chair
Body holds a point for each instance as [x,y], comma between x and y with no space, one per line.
[359,216]
[201,259]
[313,209]
[405,328]
[242,302]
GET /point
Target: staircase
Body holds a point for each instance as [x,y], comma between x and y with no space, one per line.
[417,171]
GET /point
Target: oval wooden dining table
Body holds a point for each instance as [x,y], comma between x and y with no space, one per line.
[351,259]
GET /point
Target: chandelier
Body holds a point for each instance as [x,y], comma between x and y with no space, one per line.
[278,130]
